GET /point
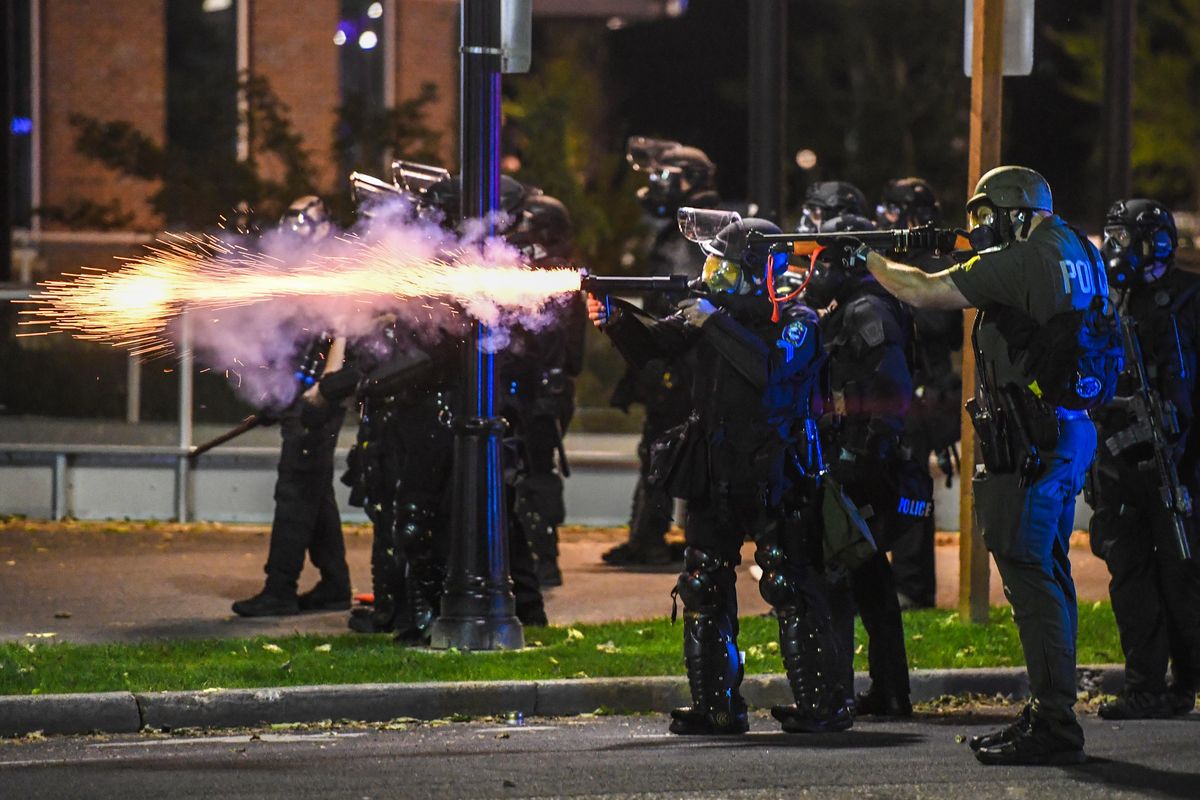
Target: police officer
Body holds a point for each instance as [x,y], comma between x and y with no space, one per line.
[867,335]
[932,424]
[754,373]
[306,514]
[826,200]
[676,175]
[538,372]
[1155,594]
[1032,271]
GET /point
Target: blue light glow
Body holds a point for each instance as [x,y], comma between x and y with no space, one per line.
[21,126]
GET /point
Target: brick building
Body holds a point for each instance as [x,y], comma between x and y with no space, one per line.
[143,61]
[111,60]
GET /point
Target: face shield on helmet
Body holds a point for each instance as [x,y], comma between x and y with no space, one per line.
[307,218]
[702,225]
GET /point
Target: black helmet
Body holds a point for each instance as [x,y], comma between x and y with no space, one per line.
[906,203]
[828,199]
[446,196]
[307,218]
[542,229]
[677,175]
[735,264]
[832,267]
[1140,239]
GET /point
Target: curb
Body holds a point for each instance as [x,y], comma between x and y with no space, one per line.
[126,712]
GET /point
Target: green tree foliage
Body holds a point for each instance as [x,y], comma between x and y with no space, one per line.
[1166,126]
[366,137]
[556,116]
[876,90]
[198,184]
[194,187]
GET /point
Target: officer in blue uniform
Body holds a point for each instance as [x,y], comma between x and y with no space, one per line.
[1031,273]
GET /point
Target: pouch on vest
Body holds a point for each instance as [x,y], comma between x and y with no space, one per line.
[846,538]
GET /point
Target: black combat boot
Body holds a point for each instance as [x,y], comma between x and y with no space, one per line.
[325,597]
[387,581]
[877,702]
[811,661]
[1138,705]
[1182,697]
[268,603]
[1004,734]
[714,673]
[425,574]
[1036,742]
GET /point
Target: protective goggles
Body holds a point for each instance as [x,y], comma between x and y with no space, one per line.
[1118,236]
[981,215]
[888,211]
[722,275]
[814,212]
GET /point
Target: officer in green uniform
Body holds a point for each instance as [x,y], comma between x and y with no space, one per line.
[1030,268]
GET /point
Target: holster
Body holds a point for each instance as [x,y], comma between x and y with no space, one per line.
[991,431]
[679,461]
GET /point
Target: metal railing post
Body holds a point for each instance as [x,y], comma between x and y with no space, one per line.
[59,502]
[182,476]
[133,390]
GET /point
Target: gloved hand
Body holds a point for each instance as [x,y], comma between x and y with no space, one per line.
[598,312]
[849,468]
[697,310]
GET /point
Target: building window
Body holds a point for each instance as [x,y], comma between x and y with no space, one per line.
[202,89]
[20,124]
[361,45]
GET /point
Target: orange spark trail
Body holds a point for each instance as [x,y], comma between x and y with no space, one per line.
[132,307]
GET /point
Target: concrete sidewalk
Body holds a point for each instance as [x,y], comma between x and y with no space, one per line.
[128,712]
[119,582]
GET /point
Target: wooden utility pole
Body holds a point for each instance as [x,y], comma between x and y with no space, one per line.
[1120,18]
[987,62]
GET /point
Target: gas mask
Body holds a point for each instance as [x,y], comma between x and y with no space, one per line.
[992,227]
[1131,258]
[829,272]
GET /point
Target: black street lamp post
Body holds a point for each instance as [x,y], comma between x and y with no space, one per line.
[478,609]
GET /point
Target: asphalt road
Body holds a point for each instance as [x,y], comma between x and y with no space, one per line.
[613,757]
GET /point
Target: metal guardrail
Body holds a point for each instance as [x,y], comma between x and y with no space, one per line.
[63,458]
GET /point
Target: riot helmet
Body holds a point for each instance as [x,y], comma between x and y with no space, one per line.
[1140,239]
[735,264]
[832,267]
[445,195]
[542,228]
[828,199]
[676,175]
[1004,204]
[907,203]
[307,218]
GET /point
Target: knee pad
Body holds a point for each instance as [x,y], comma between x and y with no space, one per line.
[777,585]
[701,583]
[414,525]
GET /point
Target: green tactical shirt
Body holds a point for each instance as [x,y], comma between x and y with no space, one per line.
[1048,274]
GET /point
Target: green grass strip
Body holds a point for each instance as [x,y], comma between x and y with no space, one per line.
[936,639]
